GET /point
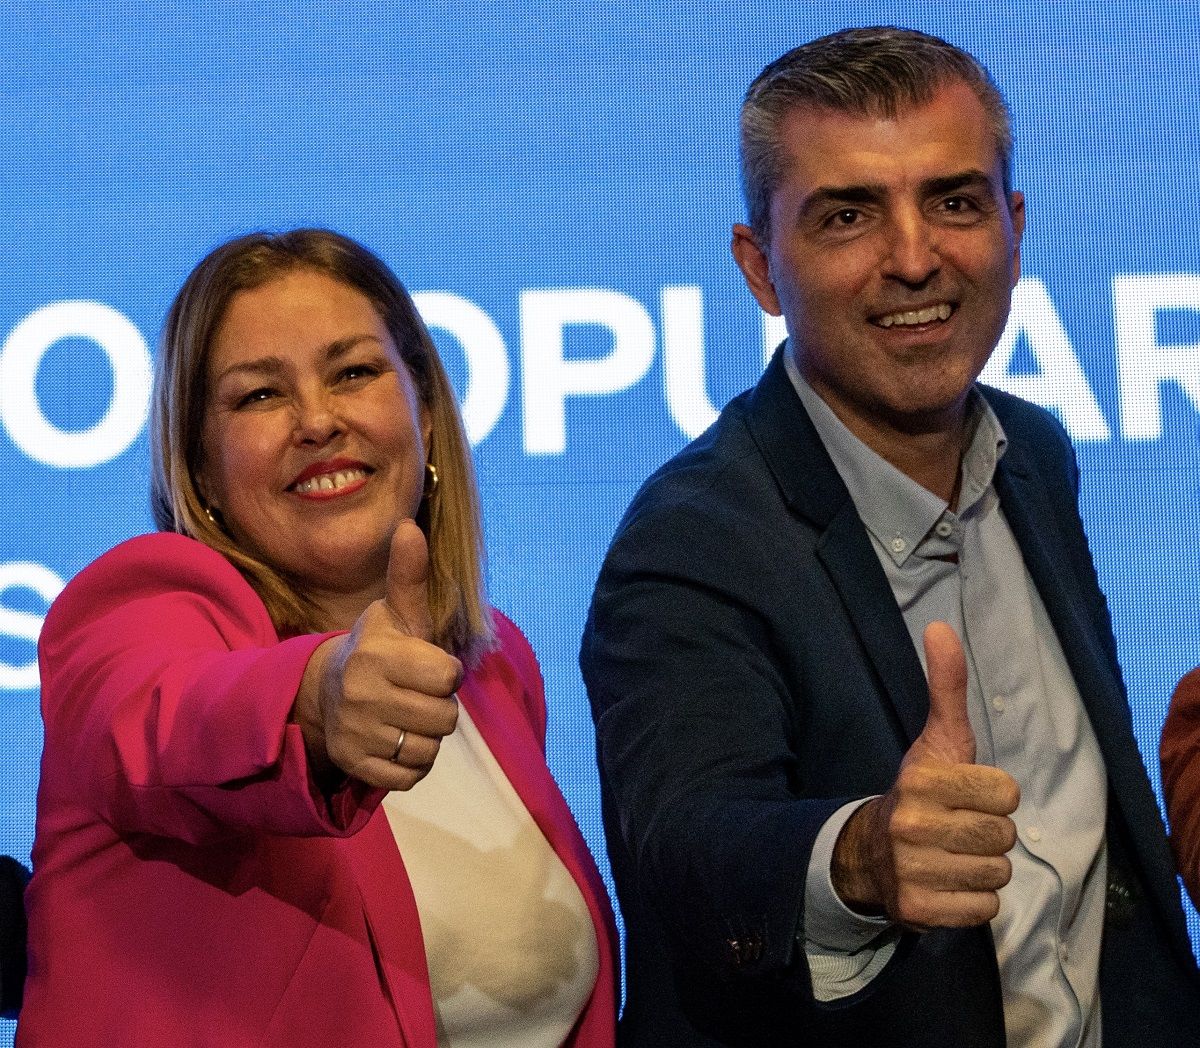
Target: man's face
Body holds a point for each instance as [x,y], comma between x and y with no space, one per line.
[892,258]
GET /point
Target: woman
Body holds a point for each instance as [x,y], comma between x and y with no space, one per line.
[1179,752]
[229,847]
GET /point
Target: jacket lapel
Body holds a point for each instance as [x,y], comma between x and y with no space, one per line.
[812,488]
[395,928]
[1038,531]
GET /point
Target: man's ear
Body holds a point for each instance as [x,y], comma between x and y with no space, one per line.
[756,269]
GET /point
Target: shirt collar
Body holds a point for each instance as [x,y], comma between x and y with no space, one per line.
[895,509]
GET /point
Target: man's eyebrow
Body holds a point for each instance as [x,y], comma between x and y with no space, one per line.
[972,179]
[825,196]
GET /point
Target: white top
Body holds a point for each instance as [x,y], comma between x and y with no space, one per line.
[508,937]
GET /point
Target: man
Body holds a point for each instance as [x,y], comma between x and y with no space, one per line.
[805,848]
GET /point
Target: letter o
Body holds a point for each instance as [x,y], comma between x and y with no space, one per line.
[20,357]
[24,625]
[483,347]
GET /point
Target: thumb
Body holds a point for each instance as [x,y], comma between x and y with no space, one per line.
[947,735]
[407,593]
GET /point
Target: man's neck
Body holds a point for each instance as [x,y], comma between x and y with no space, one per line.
[929,453]
[927,448]
[933,460]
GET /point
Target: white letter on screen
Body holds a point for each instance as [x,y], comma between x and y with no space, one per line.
[24,625]
[20,410]
[548,379]
[1060,384]
[774,331]
[1144,366]
[683,359]
[483,347]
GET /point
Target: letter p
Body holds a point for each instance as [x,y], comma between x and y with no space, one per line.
[548,377]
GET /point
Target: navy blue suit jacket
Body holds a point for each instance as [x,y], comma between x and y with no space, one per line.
[749,671]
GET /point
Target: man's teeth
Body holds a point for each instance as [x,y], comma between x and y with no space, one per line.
[941,311]
[330,481]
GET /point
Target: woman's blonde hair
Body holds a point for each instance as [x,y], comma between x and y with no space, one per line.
[449,516]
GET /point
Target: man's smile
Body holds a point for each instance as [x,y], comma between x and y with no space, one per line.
[913,317]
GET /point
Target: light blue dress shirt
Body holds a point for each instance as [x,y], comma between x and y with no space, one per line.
[965,568]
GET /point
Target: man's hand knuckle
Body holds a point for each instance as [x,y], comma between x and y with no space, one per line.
[913,777]
[990,907]
[1009,795]
[1007,834]
[916,909]
[905,823]
[1003,871]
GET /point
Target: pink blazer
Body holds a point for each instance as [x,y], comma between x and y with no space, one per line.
[191,887]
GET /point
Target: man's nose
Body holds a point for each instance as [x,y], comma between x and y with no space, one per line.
[913,256]
[317,419]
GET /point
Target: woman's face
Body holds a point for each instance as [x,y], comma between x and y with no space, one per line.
[314,441]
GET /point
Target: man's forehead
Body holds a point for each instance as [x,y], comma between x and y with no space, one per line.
[950,131]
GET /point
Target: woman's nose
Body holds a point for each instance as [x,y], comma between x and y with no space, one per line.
[317,421]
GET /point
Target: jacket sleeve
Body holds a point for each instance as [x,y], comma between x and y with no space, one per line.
[1180,755]
[167,700]
[696,732]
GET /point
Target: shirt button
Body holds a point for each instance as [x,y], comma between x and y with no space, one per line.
[1063,952]
[899,545]
[1033,833]
[998,704]
[944,528]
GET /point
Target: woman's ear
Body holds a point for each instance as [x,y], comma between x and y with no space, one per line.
[425,419]
[201,486]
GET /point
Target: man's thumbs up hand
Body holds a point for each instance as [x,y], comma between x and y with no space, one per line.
[947,736]
[932,851]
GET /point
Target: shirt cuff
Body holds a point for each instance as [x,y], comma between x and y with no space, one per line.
[828,922]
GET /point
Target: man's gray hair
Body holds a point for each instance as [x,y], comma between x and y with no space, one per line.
[865,72]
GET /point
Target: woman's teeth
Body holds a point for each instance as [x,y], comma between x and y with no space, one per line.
[330,481]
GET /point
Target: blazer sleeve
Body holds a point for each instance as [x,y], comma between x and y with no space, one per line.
[167,698]
[696,742]
[1179,752]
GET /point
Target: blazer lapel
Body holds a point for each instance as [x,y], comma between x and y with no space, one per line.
[1058,577]
[395,928]
[813,488]
[853,568]
[1036,527]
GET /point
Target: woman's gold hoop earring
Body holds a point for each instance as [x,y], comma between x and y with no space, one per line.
[431,480]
